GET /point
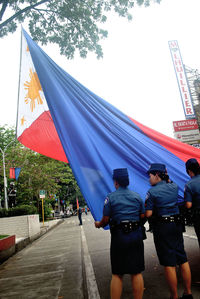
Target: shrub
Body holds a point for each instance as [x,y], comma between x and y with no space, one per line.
[3,213]
[18,211]
[47,212]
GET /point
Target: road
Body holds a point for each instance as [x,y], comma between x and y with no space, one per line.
[73,262]
[155,286]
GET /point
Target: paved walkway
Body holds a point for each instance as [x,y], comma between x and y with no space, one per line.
[50,267]
[58,265]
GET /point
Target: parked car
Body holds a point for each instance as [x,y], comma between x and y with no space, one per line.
[67,213]
[57,214]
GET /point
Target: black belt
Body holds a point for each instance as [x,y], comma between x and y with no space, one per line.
[196,211]
[170,219]
[126,226]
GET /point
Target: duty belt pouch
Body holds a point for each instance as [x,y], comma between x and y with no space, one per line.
[126,226]
[182,221]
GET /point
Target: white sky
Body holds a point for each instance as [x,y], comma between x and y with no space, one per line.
[136,74]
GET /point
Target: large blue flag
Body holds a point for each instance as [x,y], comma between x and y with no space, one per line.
[57,113]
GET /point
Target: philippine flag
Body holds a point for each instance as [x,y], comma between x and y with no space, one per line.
[60,118]
[35,127]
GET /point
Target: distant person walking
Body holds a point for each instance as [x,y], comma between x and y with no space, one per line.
[85,210]
[80,215]
[192,193]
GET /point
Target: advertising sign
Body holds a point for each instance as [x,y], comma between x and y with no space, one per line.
[185,125]
[190,136]
[182,80]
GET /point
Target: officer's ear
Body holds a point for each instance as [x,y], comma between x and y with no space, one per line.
[190,173]
[157,177]
[116,184]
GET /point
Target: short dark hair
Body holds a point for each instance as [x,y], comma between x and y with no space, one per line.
[123,182]
[163,175]
[192,165]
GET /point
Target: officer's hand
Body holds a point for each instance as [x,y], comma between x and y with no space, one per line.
[97,224]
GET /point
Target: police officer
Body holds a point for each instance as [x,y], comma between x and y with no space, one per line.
[80,215]
[123,210]
[192,193]
[162,203]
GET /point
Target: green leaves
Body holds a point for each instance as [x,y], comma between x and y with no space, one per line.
[73,25]
[38,172]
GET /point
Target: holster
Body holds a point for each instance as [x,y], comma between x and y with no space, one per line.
[144,236]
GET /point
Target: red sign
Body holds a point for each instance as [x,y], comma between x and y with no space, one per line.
[185,125]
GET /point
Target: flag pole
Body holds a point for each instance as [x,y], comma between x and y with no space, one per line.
[20,66]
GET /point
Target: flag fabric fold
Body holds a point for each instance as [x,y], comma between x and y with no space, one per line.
[64,120]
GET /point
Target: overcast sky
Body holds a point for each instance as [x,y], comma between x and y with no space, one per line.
[136,74]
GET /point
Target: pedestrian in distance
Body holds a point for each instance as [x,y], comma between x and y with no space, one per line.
[80,215]
[162,203]
[122,210]
[192,193]
[85,210]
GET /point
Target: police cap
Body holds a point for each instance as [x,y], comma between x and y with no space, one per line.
[157,167]
[120,173]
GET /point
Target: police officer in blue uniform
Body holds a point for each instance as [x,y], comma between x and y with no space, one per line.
[80,215]
[162,204]
[192,193]
[123,210]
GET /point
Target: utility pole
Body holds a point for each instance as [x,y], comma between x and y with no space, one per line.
[4,174]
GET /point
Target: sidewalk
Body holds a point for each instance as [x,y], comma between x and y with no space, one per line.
[50,267]
[23,242]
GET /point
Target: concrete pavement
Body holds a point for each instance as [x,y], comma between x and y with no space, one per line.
[50,267]
[59,265]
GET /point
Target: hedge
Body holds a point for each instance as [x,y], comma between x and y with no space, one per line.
[18,211]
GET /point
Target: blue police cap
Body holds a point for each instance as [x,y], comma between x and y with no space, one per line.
[120,173]
[157,167]
[191,162]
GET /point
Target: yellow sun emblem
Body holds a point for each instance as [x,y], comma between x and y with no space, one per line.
[22,121]
[33,88]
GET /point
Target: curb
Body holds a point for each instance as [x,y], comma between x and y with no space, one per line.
[21,243]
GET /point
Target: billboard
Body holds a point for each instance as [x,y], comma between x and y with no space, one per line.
[185,125]
[186,131]
[181,79]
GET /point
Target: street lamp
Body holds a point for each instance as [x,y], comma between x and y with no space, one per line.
[4,174]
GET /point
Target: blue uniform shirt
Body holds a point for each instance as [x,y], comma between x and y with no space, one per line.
[192,191]
[162,199]
[123,204]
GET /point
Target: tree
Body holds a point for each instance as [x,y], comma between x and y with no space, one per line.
[7,135]
[38,172]
[73,25]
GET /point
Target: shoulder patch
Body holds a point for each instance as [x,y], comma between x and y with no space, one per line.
[106,201]
[147,196]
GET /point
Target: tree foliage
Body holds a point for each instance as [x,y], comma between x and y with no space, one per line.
[37,173]
[73,25]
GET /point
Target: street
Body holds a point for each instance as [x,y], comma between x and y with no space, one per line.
[154,282]
[73,261]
